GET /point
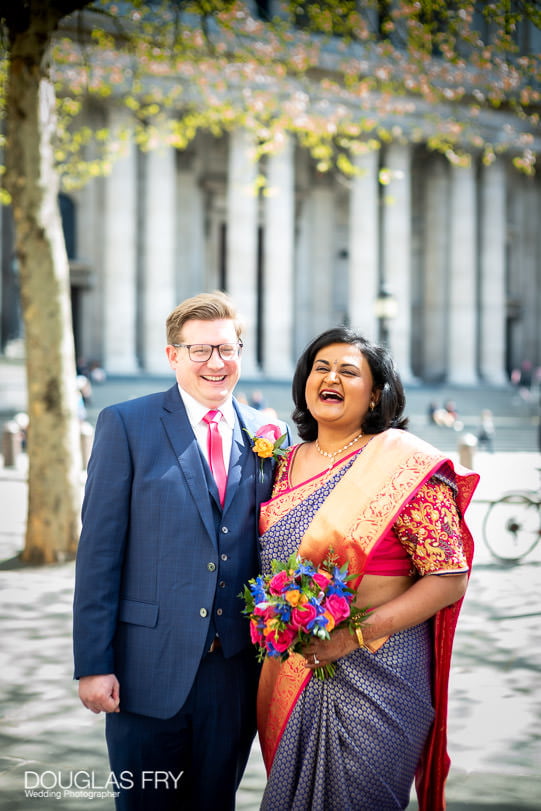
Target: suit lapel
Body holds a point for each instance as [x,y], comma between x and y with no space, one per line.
[249,422]
[186,449]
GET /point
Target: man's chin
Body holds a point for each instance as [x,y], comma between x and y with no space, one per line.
[214,396]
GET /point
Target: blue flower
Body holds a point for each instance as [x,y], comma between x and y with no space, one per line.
[284,611]
[258,589]
[305,568]
[340,576]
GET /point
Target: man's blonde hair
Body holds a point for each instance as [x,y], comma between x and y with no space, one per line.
[203,307]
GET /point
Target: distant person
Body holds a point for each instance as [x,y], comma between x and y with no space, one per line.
[169,538]
[432,410]
[450,407]
[486,430]
[97,373]
[84,386]
[522,378]
[526,371]
[82,366]
[257,400]
[22,420]
[453,420]
[441,416]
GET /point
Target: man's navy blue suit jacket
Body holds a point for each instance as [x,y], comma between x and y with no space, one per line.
[158,560]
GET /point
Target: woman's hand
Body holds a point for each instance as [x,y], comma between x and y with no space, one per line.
[321,652]
[420,602]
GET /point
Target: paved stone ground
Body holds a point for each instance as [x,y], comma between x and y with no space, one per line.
[495,699]
[495,696]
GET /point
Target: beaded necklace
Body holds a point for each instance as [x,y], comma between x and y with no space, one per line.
[332,456]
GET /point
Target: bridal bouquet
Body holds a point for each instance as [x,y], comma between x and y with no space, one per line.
[299,601]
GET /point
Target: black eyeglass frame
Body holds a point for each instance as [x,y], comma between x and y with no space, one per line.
[238,344]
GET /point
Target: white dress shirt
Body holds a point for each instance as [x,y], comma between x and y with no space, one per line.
[196,411]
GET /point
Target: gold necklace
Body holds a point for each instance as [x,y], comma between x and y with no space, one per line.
[332,456]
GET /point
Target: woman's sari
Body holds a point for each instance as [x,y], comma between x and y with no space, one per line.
[355,741]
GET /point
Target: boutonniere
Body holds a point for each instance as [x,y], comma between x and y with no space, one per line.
[267,444]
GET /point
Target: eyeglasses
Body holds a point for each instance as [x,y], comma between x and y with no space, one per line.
[200,353]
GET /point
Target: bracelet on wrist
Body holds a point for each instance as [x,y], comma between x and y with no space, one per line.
[360,638]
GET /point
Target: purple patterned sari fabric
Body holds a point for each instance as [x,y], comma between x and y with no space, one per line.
[352,742]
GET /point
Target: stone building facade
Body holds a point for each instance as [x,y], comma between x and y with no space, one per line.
[457,251]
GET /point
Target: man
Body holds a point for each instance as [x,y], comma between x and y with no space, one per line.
[167,544]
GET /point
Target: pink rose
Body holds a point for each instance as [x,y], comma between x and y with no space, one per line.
[279,582]
[321,579]
[271,432]
[265,611]
[337,606]
[281,640]
[255,634]
[302,615]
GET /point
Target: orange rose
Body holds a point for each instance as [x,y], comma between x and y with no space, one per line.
[263,447]
[293,596]
[270,626]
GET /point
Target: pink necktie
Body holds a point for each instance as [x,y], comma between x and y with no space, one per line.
[215,452]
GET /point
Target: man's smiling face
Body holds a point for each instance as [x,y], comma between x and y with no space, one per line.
[212,381]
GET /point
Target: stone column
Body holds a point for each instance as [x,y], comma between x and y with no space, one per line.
[279,263]
[396,249]
[242,217]
[191,269]
[89,251]
[159,255]
[492,309]
[321,249]
[364,245]
[120,260]
[435,270]
[462,277]
[530,248]
[302,325]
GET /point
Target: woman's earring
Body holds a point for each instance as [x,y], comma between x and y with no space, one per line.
[372,405]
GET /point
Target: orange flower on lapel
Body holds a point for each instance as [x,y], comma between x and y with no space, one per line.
[267,444]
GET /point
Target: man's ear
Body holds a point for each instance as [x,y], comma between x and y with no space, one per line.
[171,352]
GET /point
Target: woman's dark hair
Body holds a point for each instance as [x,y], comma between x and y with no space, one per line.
[388,412]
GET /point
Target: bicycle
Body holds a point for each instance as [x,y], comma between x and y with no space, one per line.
[512,524]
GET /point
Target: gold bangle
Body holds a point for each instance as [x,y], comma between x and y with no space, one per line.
[360,638]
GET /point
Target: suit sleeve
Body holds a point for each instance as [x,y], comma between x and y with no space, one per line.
[100,555]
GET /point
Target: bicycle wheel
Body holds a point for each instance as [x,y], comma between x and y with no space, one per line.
[511,527]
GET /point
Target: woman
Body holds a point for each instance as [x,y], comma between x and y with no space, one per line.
[391,506]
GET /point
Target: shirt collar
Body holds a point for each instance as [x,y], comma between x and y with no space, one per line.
[196,410]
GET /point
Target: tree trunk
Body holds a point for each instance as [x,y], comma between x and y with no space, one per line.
[54,453]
